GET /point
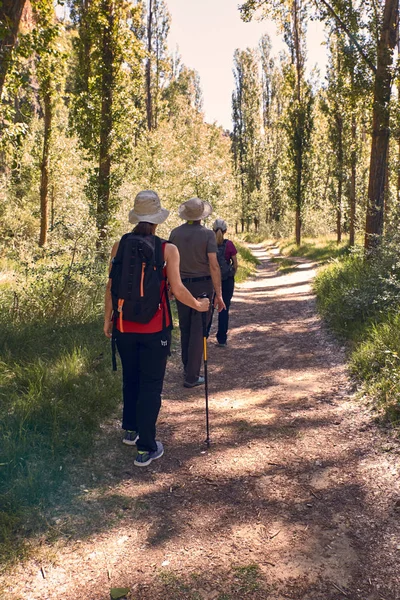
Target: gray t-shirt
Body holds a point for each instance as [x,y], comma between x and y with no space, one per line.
[194,243]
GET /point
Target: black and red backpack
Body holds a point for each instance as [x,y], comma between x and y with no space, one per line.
[137,273]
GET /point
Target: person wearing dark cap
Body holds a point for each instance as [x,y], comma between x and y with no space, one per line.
[200,273]
[227,260]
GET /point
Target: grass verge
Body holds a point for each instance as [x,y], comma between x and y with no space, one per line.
[247,263]
[285,265]
[360,301]
[56,387]
[320,250]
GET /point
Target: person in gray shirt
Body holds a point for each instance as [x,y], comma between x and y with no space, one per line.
[200,274]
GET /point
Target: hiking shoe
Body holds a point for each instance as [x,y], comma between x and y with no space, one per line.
[144,458]
[200,381]
[130,437]
[222,345]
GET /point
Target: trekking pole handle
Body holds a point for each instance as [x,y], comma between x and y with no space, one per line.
[204,315]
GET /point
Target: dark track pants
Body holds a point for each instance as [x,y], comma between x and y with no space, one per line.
[223,317]
[144,359]
[191,327]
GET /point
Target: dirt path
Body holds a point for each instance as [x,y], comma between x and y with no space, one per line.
[298,498]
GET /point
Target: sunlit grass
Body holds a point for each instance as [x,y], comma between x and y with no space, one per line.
[56,387]
[359,299]
[247,263]
[320,249]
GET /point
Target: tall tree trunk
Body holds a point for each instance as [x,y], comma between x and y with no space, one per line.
[339,125]
[353,179]
[149,99]
[52,207]
[10,18]
[45,168]
[106,124]
[298,228]
[380,126]
[84,33]
[299,150]
[398,174]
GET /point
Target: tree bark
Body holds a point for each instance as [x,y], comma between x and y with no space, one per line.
[353,181]
[149,99]
[299,150]
[380,126]
[45,169]
[10,18]
[106,124]
[339,126]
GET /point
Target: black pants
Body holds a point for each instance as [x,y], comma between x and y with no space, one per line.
[191,327]
[144,359]
[223,317]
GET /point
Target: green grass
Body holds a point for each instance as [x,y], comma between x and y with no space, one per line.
[360,301]
[376,360]
[248,579]
[247,263]
[320,250]
[285,265]
[56,387]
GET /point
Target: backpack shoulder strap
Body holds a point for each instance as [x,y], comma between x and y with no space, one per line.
[158,252]
[120,252]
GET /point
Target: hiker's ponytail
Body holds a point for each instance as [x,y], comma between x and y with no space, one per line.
[144,228]
[220,237]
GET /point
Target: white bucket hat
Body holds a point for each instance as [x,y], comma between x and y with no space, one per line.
[195,209]
[147,208]
[220,224]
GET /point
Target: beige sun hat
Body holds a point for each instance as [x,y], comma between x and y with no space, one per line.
[195,209]
[147,208]
[220,224]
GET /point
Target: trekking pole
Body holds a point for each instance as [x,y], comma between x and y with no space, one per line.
[204,320]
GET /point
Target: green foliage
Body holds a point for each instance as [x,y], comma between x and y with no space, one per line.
[377,361]
[359,298]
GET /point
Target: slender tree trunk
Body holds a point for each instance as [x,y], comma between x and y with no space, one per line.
[398,174]
[84,34]
[149,99]
[380,126]
[339,125]
[298,228]
[10,18]
[339,213]
[45,168]
[353,180]
[52,207]
[106,124]
[326,186]
[299,150]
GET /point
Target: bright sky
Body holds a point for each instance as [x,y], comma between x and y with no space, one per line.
[207,33]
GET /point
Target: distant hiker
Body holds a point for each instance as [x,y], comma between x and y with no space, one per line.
[138,319]
[201,274]
[227,260]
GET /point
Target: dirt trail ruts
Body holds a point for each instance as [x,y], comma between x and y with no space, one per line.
[298,497]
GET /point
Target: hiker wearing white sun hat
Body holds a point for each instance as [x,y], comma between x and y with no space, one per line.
[138,320]
[200,273]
